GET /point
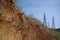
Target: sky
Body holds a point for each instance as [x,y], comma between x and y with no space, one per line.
[39,7]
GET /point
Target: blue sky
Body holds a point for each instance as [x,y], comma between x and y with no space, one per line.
[39,7]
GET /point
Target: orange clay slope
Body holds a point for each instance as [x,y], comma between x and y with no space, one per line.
[14,25]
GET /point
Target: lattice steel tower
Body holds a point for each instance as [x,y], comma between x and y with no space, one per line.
[48,25]
[53,23]
[44,20]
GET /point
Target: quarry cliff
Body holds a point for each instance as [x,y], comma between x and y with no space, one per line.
[14,25]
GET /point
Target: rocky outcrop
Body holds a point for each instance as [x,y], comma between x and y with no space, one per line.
[15,26]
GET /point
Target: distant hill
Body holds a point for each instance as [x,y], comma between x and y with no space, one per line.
[57,29]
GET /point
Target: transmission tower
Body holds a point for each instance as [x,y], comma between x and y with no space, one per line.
[30,15]
[53,23]
[48,24]
[44,20]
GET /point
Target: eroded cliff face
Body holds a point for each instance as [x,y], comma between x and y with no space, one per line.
[15,26]
[8,11]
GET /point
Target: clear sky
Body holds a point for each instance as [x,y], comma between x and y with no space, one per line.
[39,7]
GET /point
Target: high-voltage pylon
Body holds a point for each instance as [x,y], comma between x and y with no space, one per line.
[48,25]
[53,23]
[44,20]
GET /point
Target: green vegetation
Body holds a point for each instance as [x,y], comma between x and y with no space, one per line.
[57,33]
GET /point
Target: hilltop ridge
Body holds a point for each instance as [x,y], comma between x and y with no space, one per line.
[14,25]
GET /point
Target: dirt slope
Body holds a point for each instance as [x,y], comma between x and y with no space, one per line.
[15,26]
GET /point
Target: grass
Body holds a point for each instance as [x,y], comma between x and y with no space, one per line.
[57,33]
